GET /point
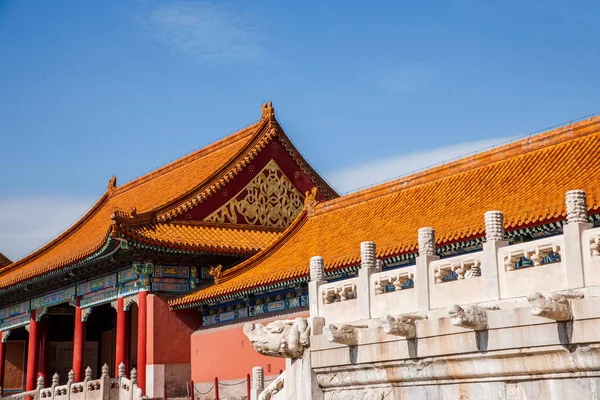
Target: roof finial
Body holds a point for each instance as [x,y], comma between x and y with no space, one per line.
[268,112]
[216,272]
[112,183]
[310,200]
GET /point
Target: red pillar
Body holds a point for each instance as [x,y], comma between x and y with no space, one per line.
[127,340]
[2,362]
[43,349]
[120,353]
[141,341]
[78,343]
[32,354]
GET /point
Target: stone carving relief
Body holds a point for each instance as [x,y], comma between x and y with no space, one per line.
[426,238]
[494,225]
[555,306]
[258,379]
[397,279]
[272,389]
[342,334]
[595,245]
[269,200]
[576,206]
[344,292]
[534,252]
[317,267]
[368,255]
[470,317]
[285,338]
[401,325]
[464,268]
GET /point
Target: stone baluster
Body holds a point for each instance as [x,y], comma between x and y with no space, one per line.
[133,376]
[317,272]
[71,377]
[494,240]
[122,370]
[88,374]
[55,380]
[39,387]
[368,266]
[426,238]
[258,382]
[577,222]
[105,370]
[105,382]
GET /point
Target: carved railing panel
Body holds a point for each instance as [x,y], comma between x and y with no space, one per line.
[532,254]
[339,291]
[104,388]
[457,279]
[591,256]
[338,301]
[392,292]
[275,390]
[393,281]
[457,268]
[533,266]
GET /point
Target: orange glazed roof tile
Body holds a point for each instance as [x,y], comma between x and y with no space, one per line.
[160,196]
[206,237]
[153,192]
[527,180]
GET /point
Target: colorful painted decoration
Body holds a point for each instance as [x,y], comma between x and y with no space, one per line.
[53,298]
[269,200]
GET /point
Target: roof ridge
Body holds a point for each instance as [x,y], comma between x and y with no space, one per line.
[181,161]
[502,152]
[220,225]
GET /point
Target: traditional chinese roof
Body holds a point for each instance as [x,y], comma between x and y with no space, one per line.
[4,261]
[527,180]
[152,202]
[206,237]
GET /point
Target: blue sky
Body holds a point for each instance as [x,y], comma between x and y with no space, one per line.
[367,91]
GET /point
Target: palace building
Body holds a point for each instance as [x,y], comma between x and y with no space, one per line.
[162,272]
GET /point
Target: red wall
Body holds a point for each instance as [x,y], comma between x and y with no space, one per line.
[169,332]
[226,353]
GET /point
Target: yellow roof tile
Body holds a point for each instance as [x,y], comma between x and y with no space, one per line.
[527,180]
[147,193]
[206,237]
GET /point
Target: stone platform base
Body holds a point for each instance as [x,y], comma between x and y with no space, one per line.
[546,389]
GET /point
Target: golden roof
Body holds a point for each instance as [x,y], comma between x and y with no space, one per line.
[206,237]
[527,180]
[158,198]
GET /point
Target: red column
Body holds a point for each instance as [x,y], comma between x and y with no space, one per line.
[141,341]
[42,349]
[127,340]
[30,382]
[120,353]
[2,362]
[78,343]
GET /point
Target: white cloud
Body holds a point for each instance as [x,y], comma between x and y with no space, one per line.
[28,223]
[370,173]
[205,31]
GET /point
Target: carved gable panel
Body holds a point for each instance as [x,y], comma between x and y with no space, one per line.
[270,199]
